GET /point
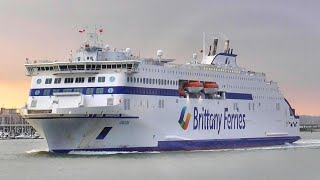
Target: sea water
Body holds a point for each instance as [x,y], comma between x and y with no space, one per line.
[30,159]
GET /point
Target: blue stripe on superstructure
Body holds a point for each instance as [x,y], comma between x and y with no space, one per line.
[132,90]
[115,90]
[242,96]
[188,145]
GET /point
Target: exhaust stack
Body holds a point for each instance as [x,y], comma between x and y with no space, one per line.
[226,46]
[215,45]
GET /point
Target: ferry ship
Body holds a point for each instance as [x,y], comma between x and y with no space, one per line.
[104,99]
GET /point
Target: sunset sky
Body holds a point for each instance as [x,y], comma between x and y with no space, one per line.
[280,38]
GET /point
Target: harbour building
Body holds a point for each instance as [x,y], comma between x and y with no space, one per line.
[13,125]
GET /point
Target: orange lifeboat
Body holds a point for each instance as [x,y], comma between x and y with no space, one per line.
[194,87]
[181,92]
[211,87]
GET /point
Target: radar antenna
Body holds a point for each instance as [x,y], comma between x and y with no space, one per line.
[92,36]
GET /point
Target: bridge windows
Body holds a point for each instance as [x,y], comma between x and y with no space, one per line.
[79,80]
[68,80]
[101,79]
[91,79]
[57,80]
[48,81]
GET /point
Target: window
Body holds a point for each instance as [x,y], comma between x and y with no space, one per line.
[101,79]
[57,80]
[80,67]
[127,104]
[55,90]
[46,92]
[110,102]
[48,81]
[99,90]
[161,103]
[91,79]
[68,80]
[67,90]
[80,90]
[89,90]
[79,80]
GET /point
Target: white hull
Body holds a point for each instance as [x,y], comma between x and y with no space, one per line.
[142,131]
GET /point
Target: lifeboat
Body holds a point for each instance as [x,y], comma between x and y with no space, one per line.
[194,87]
[211,87]
[182,92]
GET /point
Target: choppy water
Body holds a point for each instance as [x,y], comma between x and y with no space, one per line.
[29,159]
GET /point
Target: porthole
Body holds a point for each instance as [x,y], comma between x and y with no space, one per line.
[39,81]
[112,78]
[110,90]
[37,92]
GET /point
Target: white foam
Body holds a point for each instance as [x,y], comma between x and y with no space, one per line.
[34,151]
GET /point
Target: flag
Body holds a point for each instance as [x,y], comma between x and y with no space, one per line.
[82,31]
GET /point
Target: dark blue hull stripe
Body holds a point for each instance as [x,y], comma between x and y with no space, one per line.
[188,145]
[125,90]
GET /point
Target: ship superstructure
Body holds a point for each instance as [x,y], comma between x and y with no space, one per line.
[106,99]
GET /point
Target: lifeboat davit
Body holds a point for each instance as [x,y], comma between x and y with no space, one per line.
[194,87]
[211,87]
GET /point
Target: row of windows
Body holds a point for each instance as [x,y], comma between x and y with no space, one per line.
[81,67]
[206,74]
[248,87]
[151,81]
[76,80]
[88,91]
[267,97]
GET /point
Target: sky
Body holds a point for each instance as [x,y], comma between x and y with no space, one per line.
[280,38]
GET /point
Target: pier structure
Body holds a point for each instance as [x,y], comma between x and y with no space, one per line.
[310,123]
